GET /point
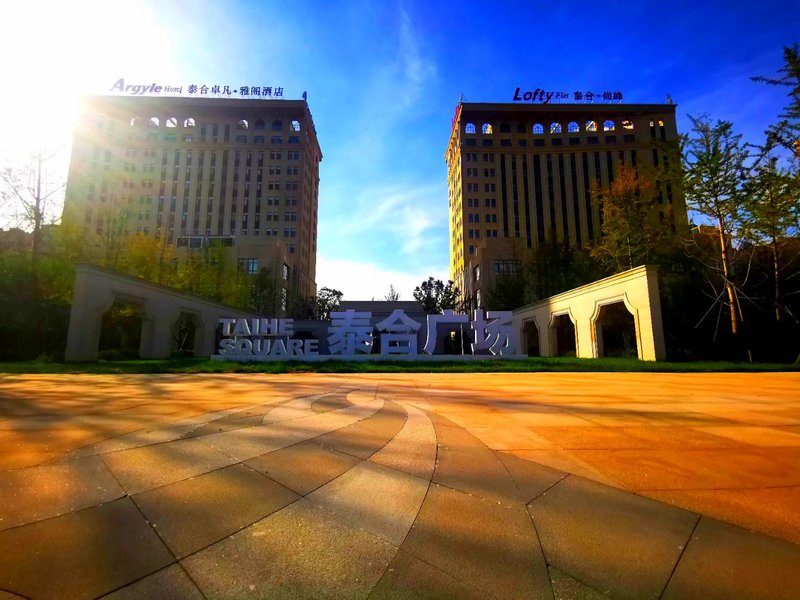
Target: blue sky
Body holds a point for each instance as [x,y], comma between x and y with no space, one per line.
[383,79]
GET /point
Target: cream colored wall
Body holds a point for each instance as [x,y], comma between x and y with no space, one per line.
[637,289]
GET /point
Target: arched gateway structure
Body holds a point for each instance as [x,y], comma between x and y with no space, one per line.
[579,313]
[161,307]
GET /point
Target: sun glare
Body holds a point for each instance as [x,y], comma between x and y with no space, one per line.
[56,52]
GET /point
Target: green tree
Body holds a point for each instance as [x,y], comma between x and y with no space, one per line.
[772,202]
[437,296]
[392,295]
[786,132]
[632,232]
[327,300]
[714,166]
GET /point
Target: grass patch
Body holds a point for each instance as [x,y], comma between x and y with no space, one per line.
[530,365]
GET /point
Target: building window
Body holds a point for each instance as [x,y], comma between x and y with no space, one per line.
[469,128]
[591,126]
[626,124]
[505,128]
[276,139]
[154,122]
[172,122]
[285,272]
[277,125]
[241,139]
[487,128]
[248,265]
[242,125]
[573,127]
[295,125]
[538,129]
[608,126]
[259,139]
[555,127]
[259,124]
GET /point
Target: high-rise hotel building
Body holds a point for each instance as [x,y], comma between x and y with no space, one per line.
[198,173]
[520,175]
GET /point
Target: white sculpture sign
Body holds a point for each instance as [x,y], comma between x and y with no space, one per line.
[352,334]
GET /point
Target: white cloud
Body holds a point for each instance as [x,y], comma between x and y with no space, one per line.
[366,280]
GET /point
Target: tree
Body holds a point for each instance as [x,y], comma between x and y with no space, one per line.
[632,233]
[786,132]
[772,202]
[392,295]
[27,191]
[437,296]
[714,165]
[150,258]
[327,300]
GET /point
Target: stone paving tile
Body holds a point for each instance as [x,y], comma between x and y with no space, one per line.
[37,493]
[532,479]
[382,501]
[82,554]
[481,543]
[333,401]
[22,459]
[466,464]
[665,469]
[303,467]
[510,437]
[724,561]
[413,449]
[171,583]
[586,437]
[194,513]
[410,578]
[565,460]
[145,468]
[678,438]
[9,596]
[301,551]
[244,444]
[567,588]
[225,424]
[610,539]
[754,435]
[773,511]
[366,437]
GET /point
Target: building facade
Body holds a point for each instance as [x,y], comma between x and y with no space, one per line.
[198,173]
[520,175]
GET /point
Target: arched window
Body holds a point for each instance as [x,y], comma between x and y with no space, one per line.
[154,122]
[573,127]
[260,124]
[538,129]
[469,128]
[295,125]
[189,122]
[608,126]
[627,124]
[555,127]
[591,125]
[277,125]
[660,123]
[242,124]
[172,122]
[135,121]
[486,128]
[505,128]
[520,128]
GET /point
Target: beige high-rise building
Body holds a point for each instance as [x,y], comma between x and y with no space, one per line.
[198,173]
[521,174]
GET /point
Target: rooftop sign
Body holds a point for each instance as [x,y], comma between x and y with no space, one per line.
[193,89]
[548,97]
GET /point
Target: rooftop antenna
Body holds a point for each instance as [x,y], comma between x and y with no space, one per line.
[669,99]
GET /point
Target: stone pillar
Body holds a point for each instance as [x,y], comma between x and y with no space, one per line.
[86,319]
[158,319]
[585,346]
[545,332]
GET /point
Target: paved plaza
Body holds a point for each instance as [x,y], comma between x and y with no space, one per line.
[536,485]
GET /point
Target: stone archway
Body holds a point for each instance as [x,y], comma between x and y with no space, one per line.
[615,331]
[530,337]
[563,339]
